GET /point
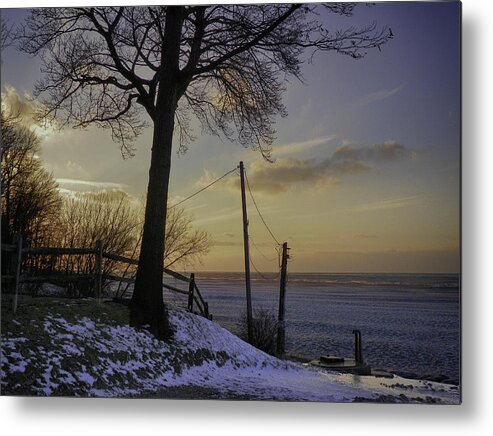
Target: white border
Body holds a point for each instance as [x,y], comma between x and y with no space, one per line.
[141,417]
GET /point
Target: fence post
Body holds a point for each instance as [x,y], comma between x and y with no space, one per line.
[191,288]
[18,266]
[99,269]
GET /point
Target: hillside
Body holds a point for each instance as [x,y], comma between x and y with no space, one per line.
[67,347]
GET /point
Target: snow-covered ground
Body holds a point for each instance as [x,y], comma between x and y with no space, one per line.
[92,358]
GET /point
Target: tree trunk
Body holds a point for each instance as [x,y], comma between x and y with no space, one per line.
[147,305]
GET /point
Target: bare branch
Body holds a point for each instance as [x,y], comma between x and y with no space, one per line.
[234,59]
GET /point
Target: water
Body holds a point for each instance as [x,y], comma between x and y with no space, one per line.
[409,322]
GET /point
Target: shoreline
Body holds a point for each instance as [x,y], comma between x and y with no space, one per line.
[430,377]
[59,347]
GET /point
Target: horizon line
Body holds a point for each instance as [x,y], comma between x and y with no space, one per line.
[330,272]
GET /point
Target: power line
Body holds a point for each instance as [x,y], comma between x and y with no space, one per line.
[258,211]
[260,251]
[204,188]
[259,273]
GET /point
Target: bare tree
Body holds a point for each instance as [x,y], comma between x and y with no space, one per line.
[30,198]
[224,64]
[100,216]
[90,217]
[114,219]
[183,242]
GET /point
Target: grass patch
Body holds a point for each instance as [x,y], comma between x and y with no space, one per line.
[32,309]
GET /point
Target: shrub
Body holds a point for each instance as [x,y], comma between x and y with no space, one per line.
[264,330]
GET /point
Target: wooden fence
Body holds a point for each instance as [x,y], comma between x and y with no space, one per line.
[15,253]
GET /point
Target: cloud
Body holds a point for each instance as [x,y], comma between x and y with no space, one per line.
[220,215]
[388,151]
[207,178]
[363,236]
[391,203]
[279,176]
[25,108]
[113,195]
[284,173]
[230,183]
[195,207]
[17,105]
[226,243]
[68,170]
[378,96]
[77,185]
[300,147]
[346,160]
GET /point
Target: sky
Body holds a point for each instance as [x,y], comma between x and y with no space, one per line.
[366,172]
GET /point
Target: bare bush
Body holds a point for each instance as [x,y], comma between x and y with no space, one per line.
[184,243]
[264,330]
[115,219]
[108,217]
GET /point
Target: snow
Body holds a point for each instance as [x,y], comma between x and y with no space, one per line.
[49,289]
[265,377]
[92,358]
[85,378]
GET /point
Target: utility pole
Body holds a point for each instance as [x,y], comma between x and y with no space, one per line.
[281,326]
[247,254]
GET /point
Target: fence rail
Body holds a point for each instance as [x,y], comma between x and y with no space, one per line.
[17,276]
[129,260]
[119,258]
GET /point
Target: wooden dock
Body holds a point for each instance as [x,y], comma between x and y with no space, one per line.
[341,364]
[348,365]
